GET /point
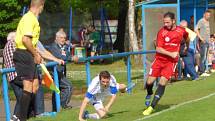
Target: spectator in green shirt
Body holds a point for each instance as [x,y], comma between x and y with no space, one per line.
[94,40]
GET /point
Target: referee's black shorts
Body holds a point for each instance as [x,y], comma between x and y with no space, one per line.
[24,64]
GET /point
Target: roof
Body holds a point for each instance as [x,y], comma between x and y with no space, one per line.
[199,3]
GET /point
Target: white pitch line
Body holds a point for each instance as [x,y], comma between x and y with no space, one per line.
[176,106]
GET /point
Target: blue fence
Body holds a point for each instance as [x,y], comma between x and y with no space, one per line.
[54,65]
[5,87]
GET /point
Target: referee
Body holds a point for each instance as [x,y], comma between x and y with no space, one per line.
[26,57]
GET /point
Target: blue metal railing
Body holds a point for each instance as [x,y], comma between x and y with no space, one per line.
[4,71]
[54,65]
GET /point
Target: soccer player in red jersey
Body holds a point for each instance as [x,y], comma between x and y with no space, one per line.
[168,42]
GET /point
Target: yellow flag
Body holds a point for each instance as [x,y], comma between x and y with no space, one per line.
[192,34]
[47,79]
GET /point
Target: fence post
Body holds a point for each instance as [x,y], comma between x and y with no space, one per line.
[6,97]
[24,10]
[144,43]
[88,71]
[57,96]
[129,71]
[70,25]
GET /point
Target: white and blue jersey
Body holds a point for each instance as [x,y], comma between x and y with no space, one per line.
[97,93]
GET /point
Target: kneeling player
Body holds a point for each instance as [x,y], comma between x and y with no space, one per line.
[101,86]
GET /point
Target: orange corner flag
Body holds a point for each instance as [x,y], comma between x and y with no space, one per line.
[47,79]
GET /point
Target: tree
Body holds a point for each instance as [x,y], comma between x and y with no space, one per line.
[121,43]
[10,13]
[131,23]
[90,6]
[121,28]
[132,31]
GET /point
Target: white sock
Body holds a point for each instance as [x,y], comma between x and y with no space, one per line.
[197,68]
[93,116]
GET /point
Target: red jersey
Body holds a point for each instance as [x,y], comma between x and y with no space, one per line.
[170,40]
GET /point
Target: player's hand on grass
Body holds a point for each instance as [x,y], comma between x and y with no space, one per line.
[106,109]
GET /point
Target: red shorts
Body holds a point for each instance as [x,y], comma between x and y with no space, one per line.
[162,68]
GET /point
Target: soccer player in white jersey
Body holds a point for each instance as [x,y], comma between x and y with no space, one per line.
[100,87]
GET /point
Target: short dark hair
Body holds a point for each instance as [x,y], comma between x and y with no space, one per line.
[104,74]
[170,15]
[207,11]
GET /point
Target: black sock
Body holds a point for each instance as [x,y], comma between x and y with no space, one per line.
[24,105]
[54,108]
[158,94]
[31,109]
[149,89]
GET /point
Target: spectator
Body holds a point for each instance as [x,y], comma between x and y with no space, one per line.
[191,24]
[211,52]
[203,32]
[213,62]
[187,55]
[58,49]
[94,40]
[8,63]
[82,35]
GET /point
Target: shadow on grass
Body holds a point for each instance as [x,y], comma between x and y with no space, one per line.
[78,83]
[109,115]
[159,107]
[137,77]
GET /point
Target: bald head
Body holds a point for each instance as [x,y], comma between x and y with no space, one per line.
[11,36]
[37,3]
[183,23]
[37,6]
